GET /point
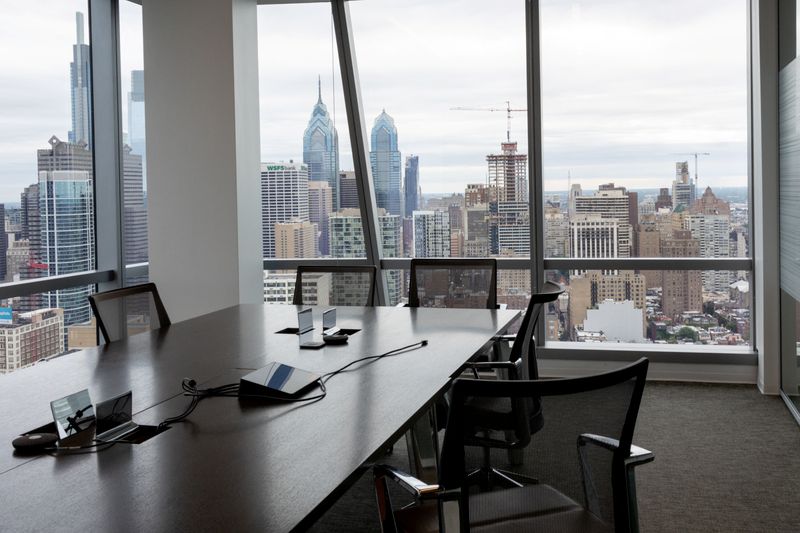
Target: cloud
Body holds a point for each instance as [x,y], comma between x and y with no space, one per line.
[626,84]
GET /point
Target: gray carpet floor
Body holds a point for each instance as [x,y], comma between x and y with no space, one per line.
[727,459]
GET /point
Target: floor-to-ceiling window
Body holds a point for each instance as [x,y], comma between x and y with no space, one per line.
[634,191]
[46,178]
[644,127]
[134,146]
[309,193]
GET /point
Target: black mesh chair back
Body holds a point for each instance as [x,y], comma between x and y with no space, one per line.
[453,283]
[523,347]
[581,457]
[127,311]
[335,285]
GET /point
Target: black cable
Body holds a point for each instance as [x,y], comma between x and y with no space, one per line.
[95,447]
[231,390]
[396,351]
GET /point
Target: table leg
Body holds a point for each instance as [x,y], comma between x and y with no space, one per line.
[422,441]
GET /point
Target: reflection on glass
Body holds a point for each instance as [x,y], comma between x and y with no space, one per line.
[134,152]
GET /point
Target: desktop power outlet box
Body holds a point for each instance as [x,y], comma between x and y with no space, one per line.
[277,380]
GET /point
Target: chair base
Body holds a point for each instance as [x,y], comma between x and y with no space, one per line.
[487,478]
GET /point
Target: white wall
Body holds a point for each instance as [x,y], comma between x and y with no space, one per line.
[764,160]
[204,201]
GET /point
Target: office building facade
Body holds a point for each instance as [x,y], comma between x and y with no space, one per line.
[431,234]
[31,337]
[320,207]
[81,88]
[66,208]
[411,187]
[384,158]
[321,148]
[136,119]
[284,196]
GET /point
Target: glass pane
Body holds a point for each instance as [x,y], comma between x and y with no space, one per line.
[654,306]
[443,87]
[34,327]
[46,167]
[134,154]
[645,131]
[308,187]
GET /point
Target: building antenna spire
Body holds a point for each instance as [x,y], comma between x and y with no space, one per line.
[79,27]
[319,88]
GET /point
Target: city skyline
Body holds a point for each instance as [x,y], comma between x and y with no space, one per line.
[42,97]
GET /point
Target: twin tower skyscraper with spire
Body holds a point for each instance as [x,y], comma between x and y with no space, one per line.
[321,155]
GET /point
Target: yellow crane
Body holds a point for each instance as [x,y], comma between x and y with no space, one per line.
[507,109]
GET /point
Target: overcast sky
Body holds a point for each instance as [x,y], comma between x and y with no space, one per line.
[627,84]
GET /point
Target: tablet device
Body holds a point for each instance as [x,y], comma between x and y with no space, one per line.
[115,418]
[73,414]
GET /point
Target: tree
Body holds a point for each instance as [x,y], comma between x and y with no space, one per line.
[687,333]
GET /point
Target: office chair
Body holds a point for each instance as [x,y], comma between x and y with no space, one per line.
[348,285]
[498,415]
[127,311]
[584,459]
[453,283]
[450,283]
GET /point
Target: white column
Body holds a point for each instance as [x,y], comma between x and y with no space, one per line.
[764,161]
[204,199]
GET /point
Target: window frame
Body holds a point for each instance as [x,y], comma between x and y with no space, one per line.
[536,263]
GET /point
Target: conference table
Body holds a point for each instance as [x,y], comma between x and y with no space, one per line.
[233,465]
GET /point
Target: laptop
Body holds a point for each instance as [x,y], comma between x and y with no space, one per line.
[115,418]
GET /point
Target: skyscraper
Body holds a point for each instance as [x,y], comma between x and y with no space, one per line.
[295,238]
[709,220]
[65,195]
[411,185]
[284,196]
[136,135]
[610,203]
[347,240]
[348,190]
[384,158]
[80,71]
[320,206]
[681,290]
[134,210]
[66,208]
[508,174]
[431,234]
[591,235]
[321,148]
[683,190]
[509,229]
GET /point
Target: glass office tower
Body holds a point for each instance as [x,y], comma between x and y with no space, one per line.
[66,210]
[321,149]
[411,186]
[384,158]
[80,71]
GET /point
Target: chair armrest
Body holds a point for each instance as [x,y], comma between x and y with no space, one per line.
[419,489]
[638,455]
[513,370]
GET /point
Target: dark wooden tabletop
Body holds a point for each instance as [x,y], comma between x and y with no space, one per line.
[233,465]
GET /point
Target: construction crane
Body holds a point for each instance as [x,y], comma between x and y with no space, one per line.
[507,109]
[695,154]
